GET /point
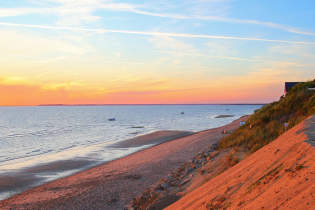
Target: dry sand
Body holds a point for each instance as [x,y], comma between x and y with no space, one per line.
[114,184]
[280,175]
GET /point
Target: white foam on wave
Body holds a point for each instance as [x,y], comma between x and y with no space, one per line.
[97,152]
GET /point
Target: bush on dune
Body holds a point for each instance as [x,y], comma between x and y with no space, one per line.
[267,123]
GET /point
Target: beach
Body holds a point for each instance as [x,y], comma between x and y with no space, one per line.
[112,185]
[16,181]
[149,105]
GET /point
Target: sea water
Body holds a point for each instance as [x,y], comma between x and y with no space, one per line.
[39,135]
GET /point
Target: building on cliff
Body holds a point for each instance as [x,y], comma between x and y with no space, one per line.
[288,86]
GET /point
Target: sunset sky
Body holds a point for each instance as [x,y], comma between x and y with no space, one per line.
[153,51]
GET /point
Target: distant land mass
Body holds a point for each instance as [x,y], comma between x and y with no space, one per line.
[145,104]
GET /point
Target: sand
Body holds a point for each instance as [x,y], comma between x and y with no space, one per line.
[20,180]
[224,116]
[114,184]
[157,137]
[281,175]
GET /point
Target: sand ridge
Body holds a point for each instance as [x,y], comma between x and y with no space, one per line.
[280,175]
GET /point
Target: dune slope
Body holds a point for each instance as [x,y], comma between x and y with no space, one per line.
[281,175]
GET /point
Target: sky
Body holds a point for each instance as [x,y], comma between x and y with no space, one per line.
[153,51]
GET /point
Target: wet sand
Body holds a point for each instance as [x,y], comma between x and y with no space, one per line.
[112,185]
[224,116]
[156,138]
[20,180]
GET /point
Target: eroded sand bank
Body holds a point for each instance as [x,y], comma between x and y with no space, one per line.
[280,175]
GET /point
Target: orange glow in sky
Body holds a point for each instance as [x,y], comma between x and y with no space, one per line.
[26,93]
[128,52]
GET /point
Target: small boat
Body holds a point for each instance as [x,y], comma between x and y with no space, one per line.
[182,113]
[111,119]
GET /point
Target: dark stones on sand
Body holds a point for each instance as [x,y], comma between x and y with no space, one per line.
[114,198]
[163,186]
[213,147]
[185,181]
[167,190]
[133,176]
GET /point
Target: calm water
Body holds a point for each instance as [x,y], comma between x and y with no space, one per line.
[33,132]
[35,135]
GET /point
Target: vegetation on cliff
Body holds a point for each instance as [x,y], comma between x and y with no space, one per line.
[269,122]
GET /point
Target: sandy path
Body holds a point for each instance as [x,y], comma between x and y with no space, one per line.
[114,184]
[281,175]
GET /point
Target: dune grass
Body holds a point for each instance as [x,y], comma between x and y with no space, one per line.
[267,123]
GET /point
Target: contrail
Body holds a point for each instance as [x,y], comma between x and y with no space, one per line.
[7,12]
[152,33]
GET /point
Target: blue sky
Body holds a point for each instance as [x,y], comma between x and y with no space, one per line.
[188,47]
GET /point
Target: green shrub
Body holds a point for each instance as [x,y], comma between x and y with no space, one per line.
[268,122]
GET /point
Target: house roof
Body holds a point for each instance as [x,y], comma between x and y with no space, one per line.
[289,85]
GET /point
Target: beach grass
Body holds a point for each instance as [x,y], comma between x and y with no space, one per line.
[273,119]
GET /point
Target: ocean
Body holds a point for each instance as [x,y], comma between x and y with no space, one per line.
[39,135]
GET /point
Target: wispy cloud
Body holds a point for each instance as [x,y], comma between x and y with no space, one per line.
[234,58]
[11,12]
[176,48]
[75,12]
[226,20]
[154,33]
[69,12]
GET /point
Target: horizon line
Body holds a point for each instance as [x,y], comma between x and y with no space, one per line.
[39,105]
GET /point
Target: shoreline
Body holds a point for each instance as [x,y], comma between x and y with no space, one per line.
[15,182]
[125,177]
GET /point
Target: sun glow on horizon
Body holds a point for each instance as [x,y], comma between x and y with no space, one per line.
[152,52]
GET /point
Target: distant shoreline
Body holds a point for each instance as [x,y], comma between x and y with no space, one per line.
[141,104]
[55,105]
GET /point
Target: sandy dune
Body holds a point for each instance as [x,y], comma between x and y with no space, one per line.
[114,184]
[280,175]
